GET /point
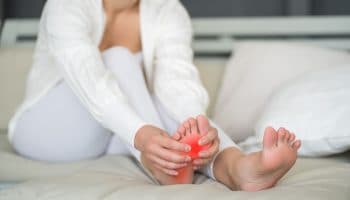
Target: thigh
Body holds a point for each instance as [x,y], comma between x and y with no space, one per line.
[59,128]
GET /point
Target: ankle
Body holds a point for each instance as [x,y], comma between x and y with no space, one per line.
[235,169]
[226,167]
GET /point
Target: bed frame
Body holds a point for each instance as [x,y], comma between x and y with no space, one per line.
[217,36]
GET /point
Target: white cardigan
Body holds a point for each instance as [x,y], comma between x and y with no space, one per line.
[67,49]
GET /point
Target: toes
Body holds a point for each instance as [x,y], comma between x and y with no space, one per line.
[291,138]
[281,134]
[187,126]
[181,130]
[296,145]
[203,124]
[270,138]
[287,136]
[194,127]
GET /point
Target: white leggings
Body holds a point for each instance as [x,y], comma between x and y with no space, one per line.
[58,128]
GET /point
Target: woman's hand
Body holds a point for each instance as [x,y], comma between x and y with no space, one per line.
[207,155]
[160,150]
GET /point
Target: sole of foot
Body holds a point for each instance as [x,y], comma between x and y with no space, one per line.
[262,170]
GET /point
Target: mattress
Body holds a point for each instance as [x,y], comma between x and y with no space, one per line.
[119,177]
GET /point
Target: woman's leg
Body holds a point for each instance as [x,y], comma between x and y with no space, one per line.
[132,82]
[58,128]
[127,69]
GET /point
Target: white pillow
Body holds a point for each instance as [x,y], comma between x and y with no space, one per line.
[316,107]
[255,71]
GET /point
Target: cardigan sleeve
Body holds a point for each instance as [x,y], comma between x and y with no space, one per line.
[80,62]
[176,79]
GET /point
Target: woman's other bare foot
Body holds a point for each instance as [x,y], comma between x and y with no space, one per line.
[260,170]
[188,133]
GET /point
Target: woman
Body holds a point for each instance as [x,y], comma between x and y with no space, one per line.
[116,77]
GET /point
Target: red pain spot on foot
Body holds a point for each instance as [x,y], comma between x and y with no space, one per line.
[192,140]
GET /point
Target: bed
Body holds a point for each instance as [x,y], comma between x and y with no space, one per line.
[119,177]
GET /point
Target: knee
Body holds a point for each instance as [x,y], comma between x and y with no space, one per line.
[121,62]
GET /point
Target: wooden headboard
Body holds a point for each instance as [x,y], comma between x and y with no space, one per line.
[217,36]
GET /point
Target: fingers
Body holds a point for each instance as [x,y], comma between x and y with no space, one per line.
[212,151]
[208,138]
[181,131]
[206,156]
[166,171]
[170,156]
[166,164]
[163,152]
[174,145]
[176,136]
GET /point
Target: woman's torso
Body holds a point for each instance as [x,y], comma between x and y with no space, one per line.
[48,67]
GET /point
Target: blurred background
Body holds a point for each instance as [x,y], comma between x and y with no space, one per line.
[211,8]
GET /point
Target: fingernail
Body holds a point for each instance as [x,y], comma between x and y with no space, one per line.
[200,142]
[201,154]
[175,173]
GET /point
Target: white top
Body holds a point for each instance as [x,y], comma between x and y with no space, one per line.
[67,49]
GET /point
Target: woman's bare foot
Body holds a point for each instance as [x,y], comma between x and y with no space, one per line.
[191,136]
[188,133]
[203,124]
[262,170]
